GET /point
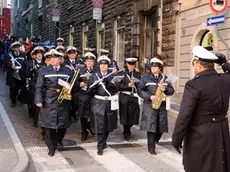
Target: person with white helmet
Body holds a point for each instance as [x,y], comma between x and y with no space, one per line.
[103,91]
[128,99]
[202,123]
[54,115]
[83,98]
[32,68]
[154,120]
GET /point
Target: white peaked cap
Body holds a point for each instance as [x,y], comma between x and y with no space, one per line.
[200,53]
[59,39]
[103,58]
[60,47]
[89,55]
[39,48]
[131,59]
[104,51]
[156,60]
[55,53]
[15,43]
[47,54]
[69,48]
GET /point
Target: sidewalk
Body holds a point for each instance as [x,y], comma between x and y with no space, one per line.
[8,158]
[13,157]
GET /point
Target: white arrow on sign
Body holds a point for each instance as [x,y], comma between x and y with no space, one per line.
[215,20]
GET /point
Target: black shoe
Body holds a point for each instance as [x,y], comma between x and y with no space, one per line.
[35,125]
[84,135]
[152,152]
[13,105]
[60,145]
[100,152]
[105,146]
[51,152]
[127,136]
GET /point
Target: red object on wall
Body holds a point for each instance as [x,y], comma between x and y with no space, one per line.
[5,22]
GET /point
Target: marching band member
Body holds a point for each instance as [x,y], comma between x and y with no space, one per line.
[113,65]
[60,49]
[84,98]
[71,63]
[103,90]
[47,57]
[15,67]
[32,69]
[154,121]
[129,107]
[59,42]
[54,116]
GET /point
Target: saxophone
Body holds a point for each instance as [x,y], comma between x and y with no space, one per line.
[159,95]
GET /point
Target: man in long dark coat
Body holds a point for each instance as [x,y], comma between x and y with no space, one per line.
[32,68]
[100,85]
[154,121]
[129,101]
[83,97]
[15,64]
[54,115]
[202,121]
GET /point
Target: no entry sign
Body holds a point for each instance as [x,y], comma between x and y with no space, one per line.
[97,3]
[218,6]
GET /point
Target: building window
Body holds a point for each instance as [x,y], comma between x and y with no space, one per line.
[18,4]
[39,3]
[207,41]
[150,34]
[100,37]
[85,31]
[119,44]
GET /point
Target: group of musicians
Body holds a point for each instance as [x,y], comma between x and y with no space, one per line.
[99,91]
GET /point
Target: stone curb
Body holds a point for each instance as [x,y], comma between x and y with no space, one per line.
[23,159]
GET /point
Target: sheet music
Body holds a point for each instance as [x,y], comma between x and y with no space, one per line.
[172,78]
[117,79]
[64,83]
[86,75]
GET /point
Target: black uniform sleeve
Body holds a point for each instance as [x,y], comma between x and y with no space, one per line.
[29,69]
[190,99]
[169,90]
[92,90]
[39,93]
[142,91]
[226,68]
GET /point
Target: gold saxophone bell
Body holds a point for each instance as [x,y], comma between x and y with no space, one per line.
[66,95]
[159,96]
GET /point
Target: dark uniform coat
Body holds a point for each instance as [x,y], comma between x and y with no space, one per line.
[151,119]
[102,108]
[10,79]
[32,70]
[129,107]
[83,98]
[53,114]
[202,123]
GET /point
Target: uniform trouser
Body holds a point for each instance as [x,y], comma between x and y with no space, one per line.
[53,136]
[127,128]
[102,137]
[13,94]
[101,140]
[84,124]
[151,138]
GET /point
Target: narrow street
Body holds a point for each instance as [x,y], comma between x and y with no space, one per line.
[119,156]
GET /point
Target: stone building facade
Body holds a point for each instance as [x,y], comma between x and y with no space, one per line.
[137,28]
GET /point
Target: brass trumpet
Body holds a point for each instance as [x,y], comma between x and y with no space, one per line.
[66,95]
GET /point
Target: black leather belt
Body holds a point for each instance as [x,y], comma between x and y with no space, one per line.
[209,119]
